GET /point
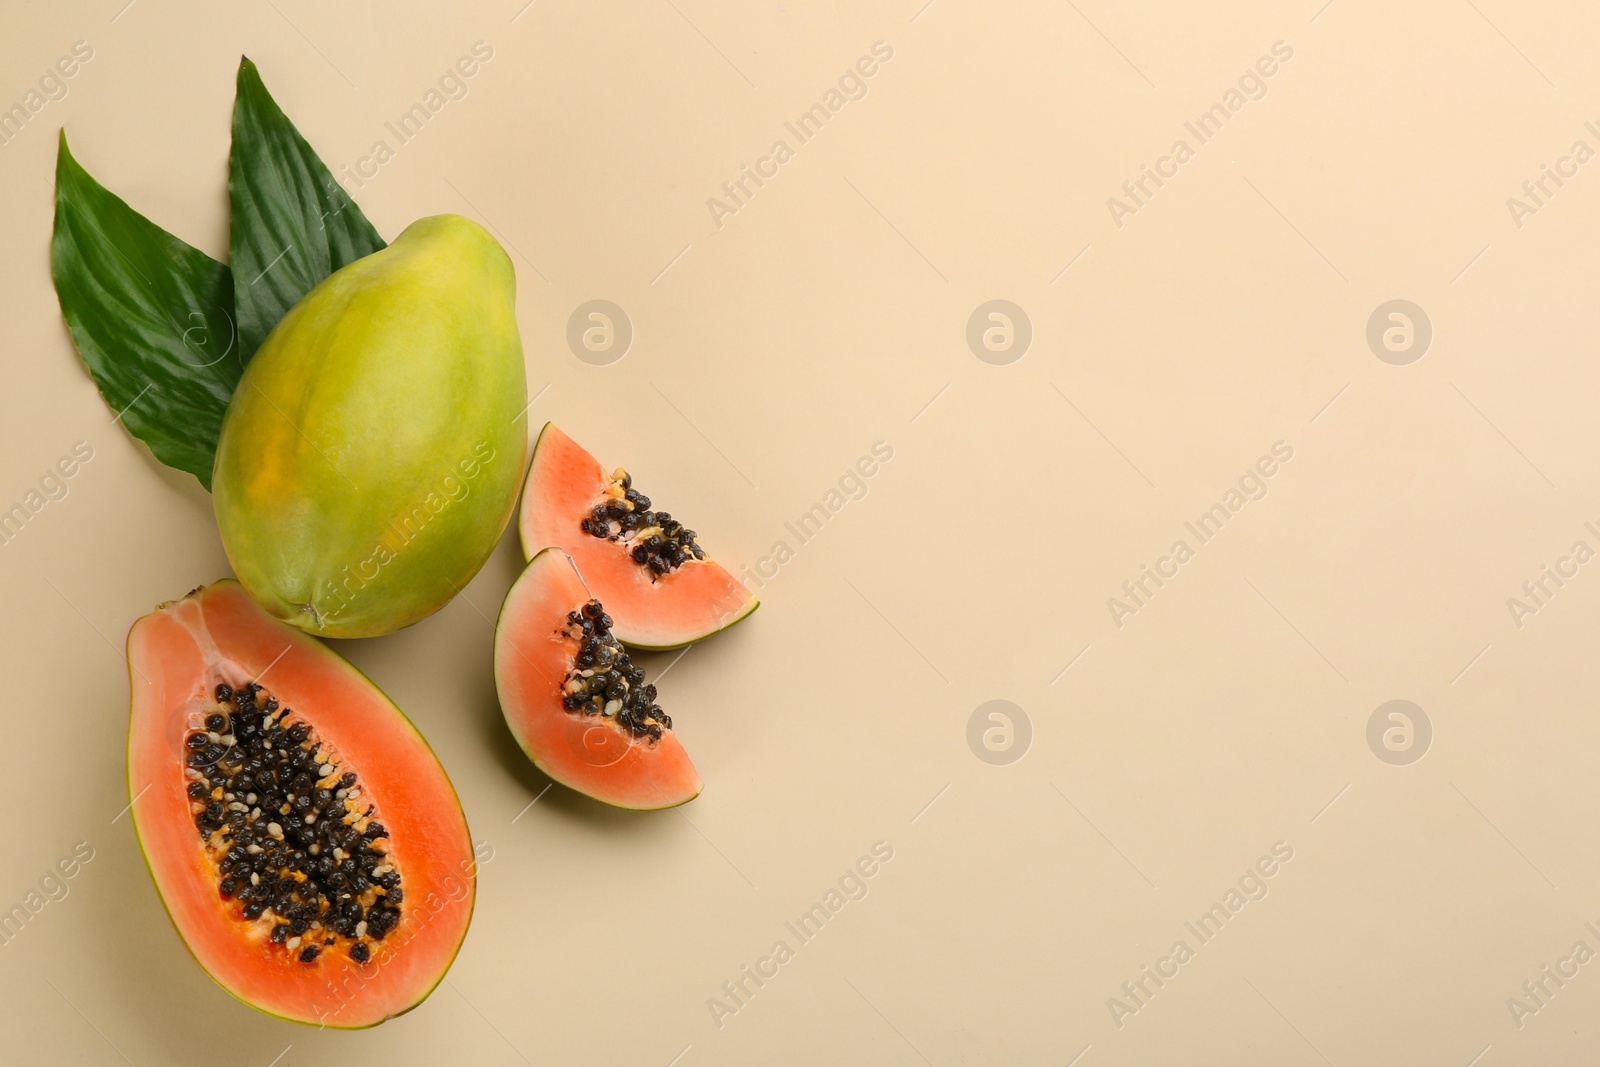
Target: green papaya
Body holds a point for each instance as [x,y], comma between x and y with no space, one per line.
[371,453]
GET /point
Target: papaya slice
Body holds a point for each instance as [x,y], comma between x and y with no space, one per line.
[575,701]
[303,838]
[658,584]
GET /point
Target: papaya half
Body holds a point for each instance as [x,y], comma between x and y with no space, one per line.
[304,839]
[370,455]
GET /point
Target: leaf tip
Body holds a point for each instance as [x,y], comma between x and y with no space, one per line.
[65,162]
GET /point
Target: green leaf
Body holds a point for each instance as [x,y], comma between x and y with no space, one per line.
[165,329]
[152,318]
[292,225]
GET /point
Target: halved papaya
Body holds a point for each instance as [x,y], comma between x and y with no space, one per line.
[304,839]
[576,702]
[650,572]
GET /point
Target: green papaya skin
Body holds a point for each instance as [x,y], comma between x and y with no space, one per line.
[371,454]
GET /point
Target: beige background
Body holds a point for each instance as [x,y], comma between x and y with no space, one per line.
[830,312]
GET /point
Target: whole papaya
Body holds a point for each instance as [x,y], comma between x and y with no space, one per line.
[371,454]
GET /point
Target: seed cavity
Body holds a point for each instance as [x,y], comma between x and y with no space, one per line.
[654,539]
[603,680]
[329,870]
